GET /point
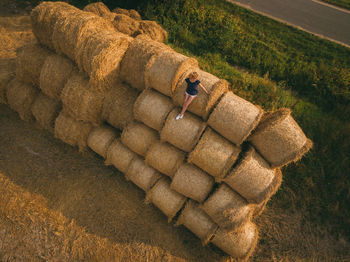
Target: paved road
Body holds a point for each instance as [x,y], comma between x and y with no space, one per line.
[309,15]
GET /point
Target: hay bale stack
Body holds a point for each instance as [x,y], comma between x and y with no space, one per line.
[131,12]
[167,200]
[142,175]
[134,14]
[152,108]
[71,131]
[197,221]
[203,104]
[110,16]
[119,155]
[100,138]
[118,105]
[214,154]
[54,75]
[98,8]
[227,208]
[238,244]
[258,209]
[234,118]
[136,59]
[30,61]
[125,24]
[279,139]
[183,133]
[45,110]
[44,17]
[192,182]
[100,54]
[152,30]
[165,158]
[80,102]
[138,137]
[7,73]
[20,97]
[253,178]
[165,69]
[70,31]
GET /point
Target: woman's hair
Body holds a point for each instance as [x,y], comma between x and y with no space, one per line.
[193,75]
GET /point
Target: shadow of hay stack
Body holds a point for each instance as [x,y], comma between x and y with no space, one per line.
[20,97]
[193,170]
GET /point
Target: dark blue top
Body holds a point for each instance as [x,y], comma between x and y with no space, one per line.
[192,87]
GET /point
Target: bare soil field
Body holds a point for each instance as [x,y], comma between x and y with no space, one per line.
[57,204]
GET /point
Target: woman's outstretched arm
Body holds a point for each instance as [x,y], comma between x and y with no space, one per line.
[205,90]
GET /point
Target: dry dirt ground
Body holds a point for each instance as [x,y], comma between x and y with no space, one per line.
[60,205]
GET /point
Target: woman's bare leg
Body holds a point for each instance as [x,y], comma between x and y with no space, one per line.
[186,98]
[187,102]
[184,103]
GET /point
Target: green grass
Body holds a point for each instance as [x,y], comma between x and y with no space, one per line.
[340,3]
[310,75]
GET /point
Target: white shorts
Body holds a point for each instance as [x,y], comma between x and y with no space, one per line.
[190,95]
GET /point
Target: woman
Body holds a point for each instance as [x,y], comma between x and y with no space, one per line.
[191,92]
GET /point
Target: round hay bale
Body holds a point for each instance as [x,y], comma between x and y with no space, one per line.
[214,154]
[20,97]
[80,101]
[7,73]
[165,69]
[54,75]
[119,10]
[99,55]
[70,31]
[183,133]
[152,108]
[165,158]
[253,178]
[119,156]
[136,58]
[110,16]
[138,137]
[203,104]
[71,131]
[234,118]
[192,182]
[258,209]
[44,17]
[279,139]
[238,244]
[125,24]
[197,221]
[152,30]
[132,13]
[97,8]
[227,208]
[118,105]
[167,200]
[30,61]
[142,175]
[45,110]
[100,138]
